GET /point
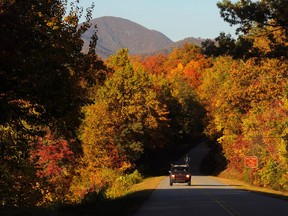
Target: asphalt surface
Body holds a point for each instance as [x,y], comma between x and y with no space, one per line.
[207,196]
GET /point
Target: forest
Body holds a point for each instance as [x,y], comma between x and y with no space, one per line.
[74,126]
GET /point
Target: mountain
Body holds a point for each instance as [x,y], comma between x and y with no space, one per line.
[178,44]
[195,41]
[115,33]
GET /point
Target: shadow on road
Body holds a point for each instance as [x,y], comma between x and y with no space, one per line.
[210,199]
[129,204]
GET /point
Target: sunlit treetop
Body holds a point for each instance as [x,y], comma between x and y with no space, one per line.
[247,14]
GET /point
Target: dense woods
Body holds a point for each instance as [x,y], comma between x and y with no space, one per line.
[74,127]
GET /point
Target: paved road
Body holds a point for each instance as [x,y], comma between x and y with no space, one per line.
[208,196]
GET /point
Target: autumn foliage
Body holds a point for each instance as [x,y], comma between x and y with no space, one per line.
[49,155]
[246,99]
[75,128]
[247,110]
[132,114]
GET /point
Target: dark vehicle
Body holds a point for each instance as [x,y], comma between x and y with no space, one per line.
[179,173]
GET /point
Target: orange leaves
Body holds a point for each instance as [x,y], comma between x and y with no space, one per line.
[186,61]
[194,70]
[155,64]
[182,55]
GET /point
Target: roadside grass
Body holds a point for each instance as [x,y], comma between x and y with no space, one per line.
[132,201]
[124,206]
[150,183]
[215,166]
[230,179]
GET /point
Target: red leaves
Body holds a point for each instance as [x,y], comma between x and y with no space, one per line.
[117,159]
[50,155]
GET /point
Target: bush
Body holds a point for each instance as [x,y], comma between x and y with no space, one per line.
[122,184]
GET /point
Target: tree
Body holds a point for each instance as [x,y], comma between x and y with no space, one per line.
[130,95]
[185,110]
[246,105]
[44,78]
[194,70]
[54,162]
[41,59]
[154,64]
[242,48]
[225,46]
[261,28]
[266,19]
[181,55]
[125,119]
[248,14]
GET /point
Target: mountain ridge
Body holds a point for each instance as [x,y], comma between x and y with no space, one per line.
[115,33]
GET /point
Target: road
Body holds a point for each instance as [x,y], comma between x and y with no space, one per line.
[207,196]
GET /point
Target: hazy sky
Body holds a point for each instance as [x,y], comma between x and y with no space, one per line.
[177,19]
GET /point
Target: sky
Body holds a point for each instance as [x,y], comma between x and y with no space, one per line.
[177,19]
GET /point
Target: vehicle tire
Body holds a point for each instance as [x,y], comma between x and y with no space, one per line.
[171,183]
[189,183]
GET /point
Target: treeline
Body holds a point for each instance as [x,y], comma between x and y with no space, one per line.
[245,92]
[74,127]
[131,116]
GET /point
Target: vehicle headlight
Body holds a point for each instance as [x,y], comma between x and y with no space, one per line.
[187,176]
[172,176]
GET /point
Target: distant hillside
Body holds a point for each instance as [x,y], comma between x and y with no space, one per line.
[115,33]
[178,44]
[195,41]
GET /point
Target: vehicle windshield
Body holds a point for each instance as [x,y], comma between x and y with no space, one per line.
[179,169]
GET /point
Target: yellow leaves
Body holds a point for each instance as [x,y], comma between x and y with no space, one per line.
[122,184]
[262,43]
[246,103]
[176,72]
[180,66]
[53,23]
[151,122]
[125,166]
[266,39]
[71,19]
[97,135]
